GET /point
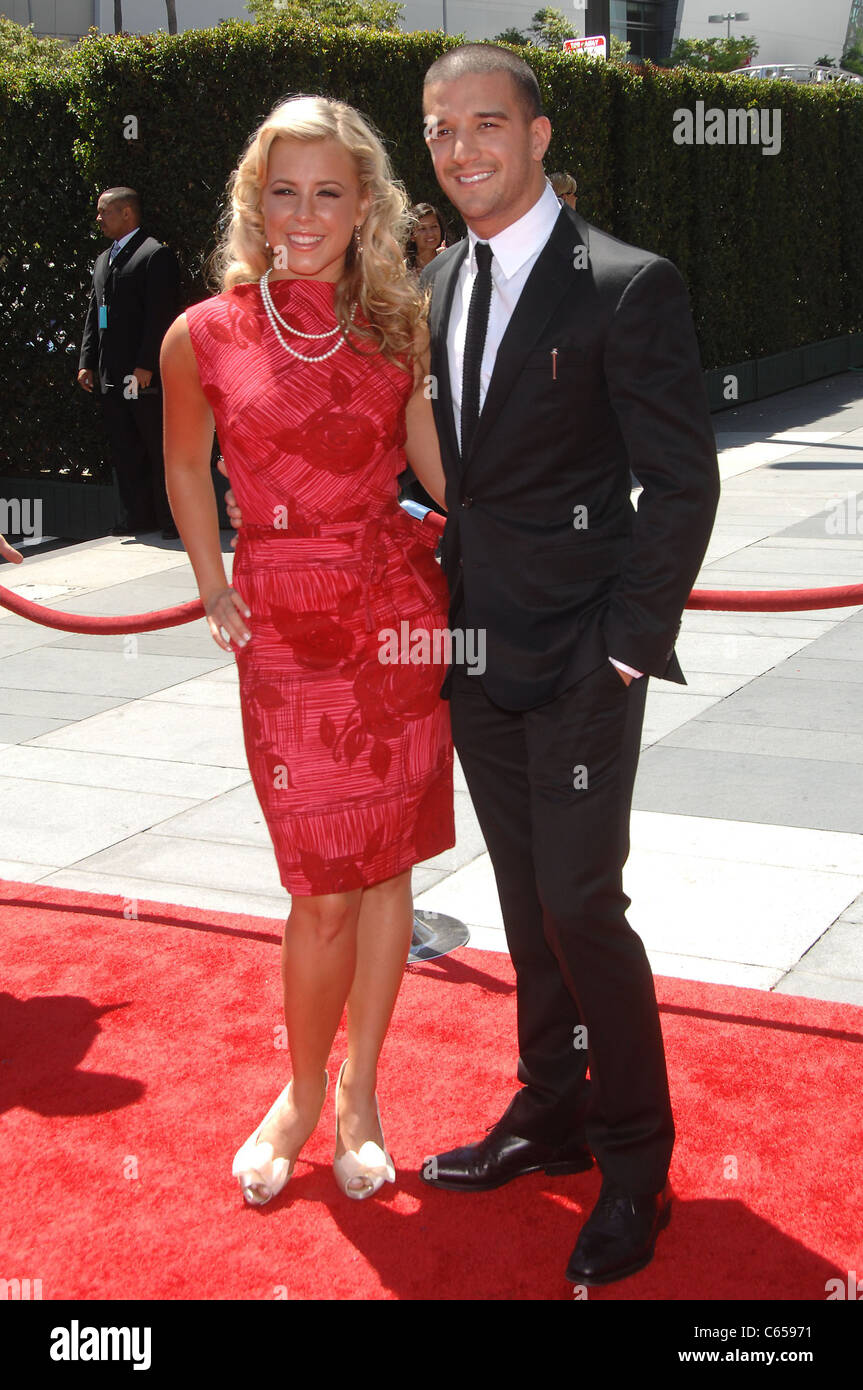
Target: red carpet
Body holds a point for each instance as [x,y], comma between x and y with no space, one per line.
[138,1054]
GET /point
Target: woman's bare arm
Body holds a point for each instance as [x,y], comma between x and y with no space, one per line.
[421,446]
[188,438]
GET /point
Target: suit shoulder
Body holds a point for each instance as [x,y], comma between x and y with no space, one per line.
[619,252]
[152,247]
[445,258]
[620,263]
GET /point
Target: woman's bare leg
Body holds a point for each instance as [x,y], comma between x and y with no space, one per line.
[319,956]
[383,941]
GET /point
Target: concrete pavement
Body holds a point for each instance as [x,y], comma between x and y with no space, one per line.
[122,767]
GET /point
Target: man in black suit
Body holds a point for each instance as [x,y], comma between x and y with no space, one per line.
[562,358]
[134,300]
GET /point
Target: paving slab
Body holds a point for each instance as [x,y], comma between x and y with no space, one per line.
[811,986]
[55,704]
[106,673]
[756,740]
[755,786]
[149,728]
[73,821]
[197,781]
[779,701]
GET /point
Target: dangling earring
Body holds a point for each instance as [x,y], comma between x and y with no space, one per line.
[358,245]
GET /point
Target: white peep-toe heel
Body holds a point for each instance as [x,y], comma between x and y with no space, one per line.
[371,1163]
[261,1175]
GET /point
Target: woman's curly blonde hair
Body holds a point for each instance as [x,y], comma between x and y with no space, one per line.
[374,277]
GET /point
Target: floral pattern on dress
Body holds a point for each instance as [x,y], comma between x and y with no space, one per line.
[351,757]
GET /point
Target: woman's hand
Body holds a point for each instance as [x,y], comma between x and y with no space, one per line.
[9,552]
[223,610]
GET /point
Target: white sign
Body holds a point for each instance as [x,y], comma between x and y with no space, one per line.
[593,48]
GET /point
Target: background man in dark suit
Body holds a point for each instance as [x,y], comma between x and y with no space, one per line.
[562,358]
[135,298]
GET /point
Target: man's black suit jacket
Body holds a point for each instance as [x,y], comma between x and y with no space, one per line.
[557,589]
[142,295]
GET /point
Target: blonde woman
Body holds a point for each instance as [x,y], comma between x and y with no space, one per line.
[565,187]
[311,364]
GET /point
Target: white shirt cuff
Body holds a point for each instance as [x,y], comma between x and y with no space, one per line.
[628,669]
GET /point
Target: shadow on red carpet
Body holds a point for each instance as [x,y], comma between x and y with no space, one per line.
[139,1050]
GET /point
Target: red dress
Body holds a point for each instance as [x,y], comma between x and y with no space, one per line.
[350,756]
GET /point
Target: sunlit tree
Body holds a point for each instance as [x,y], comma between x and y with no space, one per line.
[714,55]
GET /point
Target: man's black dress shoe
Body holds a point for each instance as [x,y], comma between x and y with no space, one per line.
[619,1236]
[500,1157]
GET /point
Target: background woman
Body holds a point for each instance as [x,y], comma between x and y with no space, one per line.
[427,237]
[311,363]
[565,187]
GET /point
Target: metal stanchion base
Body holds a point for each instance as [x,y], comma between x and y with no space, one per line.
[435,934]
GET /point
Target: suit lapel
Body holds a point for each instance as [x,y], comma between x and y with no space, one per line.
[442,297]
[551,278]
[122,255]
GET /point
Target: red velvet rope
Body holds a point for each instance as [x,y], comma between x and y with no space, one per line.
[775,600]
[717,600]
[81,622]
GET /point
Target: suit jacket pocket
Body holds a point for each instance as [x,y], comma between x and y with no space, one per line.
[582,559]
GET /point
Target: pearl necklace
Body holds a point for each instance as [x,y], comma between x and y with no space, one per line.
[275,319]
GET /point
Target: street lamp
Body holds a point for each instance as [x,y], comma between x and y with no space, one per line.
[726,19]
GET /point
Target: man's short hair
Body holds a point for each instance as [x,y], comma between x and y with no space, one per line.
[476,58]
[125,196]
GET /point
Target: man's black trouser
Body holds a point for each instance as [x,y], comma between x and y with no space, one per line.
[552,790]
[134,433]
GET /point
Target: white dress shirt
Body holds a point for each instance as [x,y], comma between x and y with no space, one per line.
[514,254]
[117,246]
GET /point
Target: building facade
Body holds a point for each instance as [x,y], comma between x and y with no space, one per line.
[788,31]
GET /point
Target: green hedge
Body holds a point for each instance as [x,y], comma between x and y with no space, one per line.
[770,246]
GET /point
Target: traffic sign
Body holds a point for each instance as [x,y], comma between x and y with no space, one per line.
[594,47]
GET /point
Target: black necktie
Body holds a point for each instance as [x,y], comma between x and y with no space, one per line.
[474,343]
